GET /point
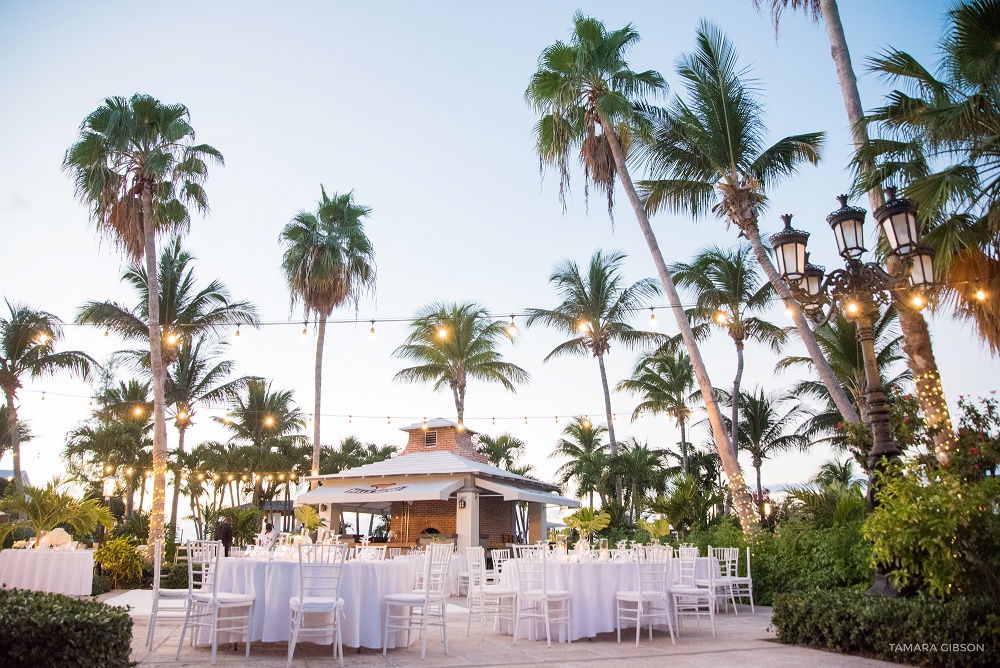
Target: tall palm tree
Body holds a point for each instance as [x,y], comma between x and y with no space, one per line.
[328,262]
[198,377]
[770,425]
[583,446]
[585,86]
[136,166]
[24,432]
[709,152]
[836,472]
[27,350]
[453,343]
[917,338]
[502,450]
[258,418]
[594,311]
[666,382]
[727,291]
[186,312]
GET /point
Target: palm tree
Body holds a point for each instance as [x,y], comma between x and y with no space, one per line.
[594,309]
[328,262]
[587,85]
[919,352]
[258,419]
[197,377]
[587,455]
[768,427]
[502,450]
[137,167]
[24,432]
[186,312]
[713,145]
[642,471]
[453,343]
[27,350]
[666,382]
[727,290]
[838,473]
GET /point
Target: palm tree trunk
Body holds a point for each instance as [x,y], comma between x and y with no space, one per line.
[734,432]
[916,335]
[156,513]
[175,503]
[611,421]
[15,441]
[459,404]
[833,386]
[684,447]
[760,489]
[744,504]
[318,404]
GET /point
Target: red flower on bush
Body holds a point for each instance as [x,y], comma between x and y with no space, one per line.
[905,420]
[840,426]
[974,450]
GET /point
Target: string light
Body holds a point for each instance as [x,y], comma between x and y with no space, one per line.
[305,328]
[586,422]
[107,333]
[652,317]
[721,318]
[980,294]
[512,327]
[269,421]
[43,338]
[137,411]
[852,308]
[350,419]
[525,420]
[788,311]
[919,302]
[237,334]
[494,422]
[43,396]
[371,332]
[461,426]
[425,424]
[171,339]
[442,332]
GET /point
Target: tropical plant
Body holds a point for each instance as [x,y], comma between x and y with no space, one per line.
[27,350]
[309,517]
[917,346]
[502,450]
[24,433]
[770,423]
[587,455]
[727,290]
[453,343]
[836,472]
[688,505]
[137,168]
[43,509]
[709,153]
[642,473]
[260,420]
[198,377]
[587,522]
[246,523]
[595,307]
[134,526]
[665,380]
[584,86]
[657,529]
[120,561]
[351,453]
[328,262]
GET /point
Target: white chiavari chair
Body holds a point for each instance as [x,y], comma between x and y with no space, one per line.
[175,599]
[431,599]
[320,568]
[535,602]
[650,602]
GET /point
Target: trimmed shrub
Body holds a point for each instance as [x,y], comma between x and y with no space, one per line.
[174,577]
[120,562]
[919,631]
[52,631]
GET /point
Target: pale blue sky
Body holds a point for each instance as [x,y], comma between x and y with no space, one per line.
[419,108]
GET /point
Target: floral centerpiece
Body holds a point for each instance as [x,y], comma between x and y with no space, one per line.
[55,539]
[658,529]
[587,522]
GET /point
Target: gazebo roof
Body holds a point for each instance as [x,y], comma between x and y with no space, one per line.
[436,423]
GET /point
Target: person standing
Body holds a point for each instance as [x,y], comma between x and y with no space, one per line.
[224,533]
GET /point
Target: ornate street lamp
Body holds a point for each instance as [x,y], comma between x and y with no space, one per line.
[857,289]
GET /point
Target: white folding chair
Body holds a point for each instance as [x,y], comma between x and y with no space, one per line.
[395,552]
[176,598]
[650,601]
[205,601]
[320,567]
[689,597]
[498,556]
[371,553]
[742,585]
[535,601]
[725,559]
[486,598]
[431,599]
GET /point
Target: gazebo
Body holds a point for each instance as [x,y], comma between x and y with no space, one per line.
[438,484]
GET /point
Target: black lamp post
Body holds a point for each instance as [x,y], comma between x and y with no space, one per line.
[857,289]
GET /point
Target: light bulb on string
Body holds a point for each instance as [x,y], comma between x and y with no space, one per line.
[43,338]
[512,327]
[493,421]
[305,328]
[237,334]
[172,339]
[388,421]
[526,420]
[442,332]
[852,308]
[919,302]
[107,333]
[461,426]
[425,424]
[652,317]
[350,419]
[43,396]
[586,422]
[981,294]
[371,332]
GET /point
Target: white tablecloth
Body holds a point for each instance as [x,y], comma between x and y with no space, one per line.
[274,583]
[592,585]
[70,573]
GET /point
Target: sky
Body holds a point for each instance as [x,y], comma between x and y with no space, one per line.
[419,109]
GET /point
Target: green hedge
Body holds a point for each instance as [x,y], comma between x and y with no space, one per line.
[50,630]
[918,631]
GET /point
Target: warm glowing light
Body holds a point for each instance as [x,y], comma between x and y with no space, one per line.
[852,308]
[237,331]
[350,419]
[767,508]
[172,338]
[201,476]
[243,477]
[788,312]
[182,415]
[371,332]
[584,327]
[43,396]
[586,423]
[107,333]
[229,477]
[128,471]
[388,420]
[269,421]
[43,338]
[281,476]
[493,421]
[721,318]
[137,411]
[442,332]
[425,424]
[980,295]
[512,327]
[109,468]
[652,317]
[919,302]
[461,426]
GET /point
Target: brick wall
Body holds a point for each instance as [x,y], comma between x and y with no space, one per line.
[449,439]
[495,519]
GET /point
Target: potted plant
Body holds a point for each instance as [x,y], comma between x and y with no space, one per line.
[587,522]
[310,519]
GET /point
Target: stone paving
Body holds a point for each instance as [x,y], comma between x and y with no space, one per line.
[744,640]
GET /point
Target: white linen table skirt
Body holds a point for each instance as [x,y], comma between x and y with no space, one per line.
[592,586]
[363,585]
[70,573]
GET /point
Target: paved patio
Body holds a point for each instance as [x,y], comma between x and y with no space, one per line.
[742,640]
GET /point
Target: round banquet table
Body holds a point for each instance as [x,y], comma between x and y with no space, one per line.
[459,564]
[592,585]
[70,573]
[363,584]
